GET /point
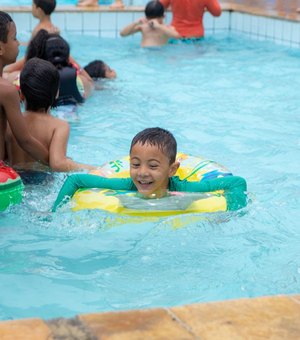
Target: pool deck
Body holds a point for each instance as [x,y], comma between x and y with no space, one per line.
[284,9]
[274,317]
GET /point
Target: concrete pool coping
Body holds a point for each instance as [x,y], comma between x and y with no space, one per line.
[273,317]
[287,14]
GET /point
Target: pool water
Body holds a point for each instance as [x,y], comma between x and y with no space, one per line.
[231,99]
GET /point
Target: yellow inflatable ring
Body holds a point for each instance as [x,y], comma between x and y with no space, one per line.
[128,203]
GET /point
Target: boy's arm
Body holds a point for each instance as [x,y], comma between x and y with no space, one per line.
[17,66]
[11,103]
[78,181]
[58,161]
[234,188]
[169,31]
[214,7]
[132,28]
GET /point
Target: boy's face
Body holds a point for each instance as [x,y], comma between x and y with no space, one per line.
[9,50]
[109,73]
[150,170]
[34,10]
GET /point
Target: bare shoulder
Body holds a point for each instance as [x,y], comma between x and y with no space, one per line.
[60,124]
[7,90]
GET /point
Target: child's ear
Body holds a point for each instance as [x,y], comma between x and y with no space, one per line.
[173,168]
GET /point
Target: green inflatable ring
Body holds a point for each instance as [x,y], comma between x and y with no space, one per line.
[11,187]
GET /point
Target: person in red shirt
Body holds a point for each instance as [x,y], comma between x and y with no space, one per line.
[188,15]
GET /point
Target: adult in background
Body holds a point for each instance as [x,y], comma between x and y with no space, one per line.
[188,15]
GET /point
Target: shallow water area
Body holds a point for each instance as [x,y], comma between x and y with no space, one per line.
[230,99]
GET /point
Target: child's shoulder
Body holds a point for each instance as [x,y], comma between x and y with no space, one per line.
[7,89]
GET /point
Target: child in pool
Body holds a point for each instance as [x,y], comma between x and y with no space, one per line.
[99,69]
[154,31]
[9,97]
[42,10]
[39,82]
[152,168]
[75,84]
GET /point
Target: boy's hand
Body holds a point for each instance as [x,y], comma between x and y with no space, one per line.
[141,21]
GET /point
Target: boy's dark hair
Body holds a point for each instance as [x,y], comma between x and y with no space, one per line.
[57,51]
[36,47]
[159,137]
[48,6]
[39,82]
[154,9]
[96,69]
[5,20]
[49,46]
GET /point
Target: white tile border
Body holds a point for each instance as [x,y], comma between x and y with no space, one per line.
[109,23]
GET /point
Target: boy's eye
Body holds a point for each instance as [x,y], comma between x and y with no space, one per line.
[153,166]
[134,165]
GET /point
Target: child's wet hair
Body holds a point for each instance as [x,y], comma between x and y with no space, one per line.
[39,82]
[57,51]
[96,69]
[5,21]
[48,6]
[51,47]
[154,9]
[159,137]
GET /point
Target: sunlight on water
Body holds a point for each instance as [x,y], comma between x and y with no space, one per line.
[233,100]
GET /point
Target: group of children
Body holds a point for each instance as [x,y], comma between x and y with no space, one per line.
[36,137]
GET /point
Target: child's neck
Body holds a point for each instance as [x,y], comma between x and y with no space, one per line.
[40,111]
[45,19]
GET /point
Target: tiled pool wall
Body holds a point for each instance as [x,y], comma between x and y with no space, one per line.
[107,23]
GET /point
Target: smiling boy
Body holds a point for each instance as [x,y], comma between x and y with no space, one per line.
[152,168]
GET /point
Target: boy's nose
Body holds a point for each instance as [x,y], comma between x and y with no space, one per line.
[143,171]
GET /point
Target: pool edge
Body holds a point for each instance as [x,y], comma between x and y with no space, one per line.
[226,6]
[275,317]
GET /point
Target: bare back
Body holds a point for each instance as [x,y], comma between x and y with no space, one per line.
[156,33]
[152,37]
[43,127]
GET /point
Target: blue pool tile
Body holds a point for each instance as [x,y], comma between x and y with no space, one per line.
[59,20]
[91,21]
[270,28]
[74,22]
[108,21]
[124,19]
[22,21]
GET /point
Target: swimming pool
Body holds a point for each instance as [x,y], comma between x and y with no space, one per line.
[230,99]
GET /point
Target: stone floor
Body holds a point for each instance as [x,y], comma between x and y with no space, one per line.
[276,317]
[280,8]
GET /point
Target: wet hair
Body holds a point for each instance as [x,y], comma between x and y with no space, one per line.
[51,47]
[39,82]
[57,51]
[159,137]
[96,69]
[48,6]
[36,47]
[154,9]
[5,21]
